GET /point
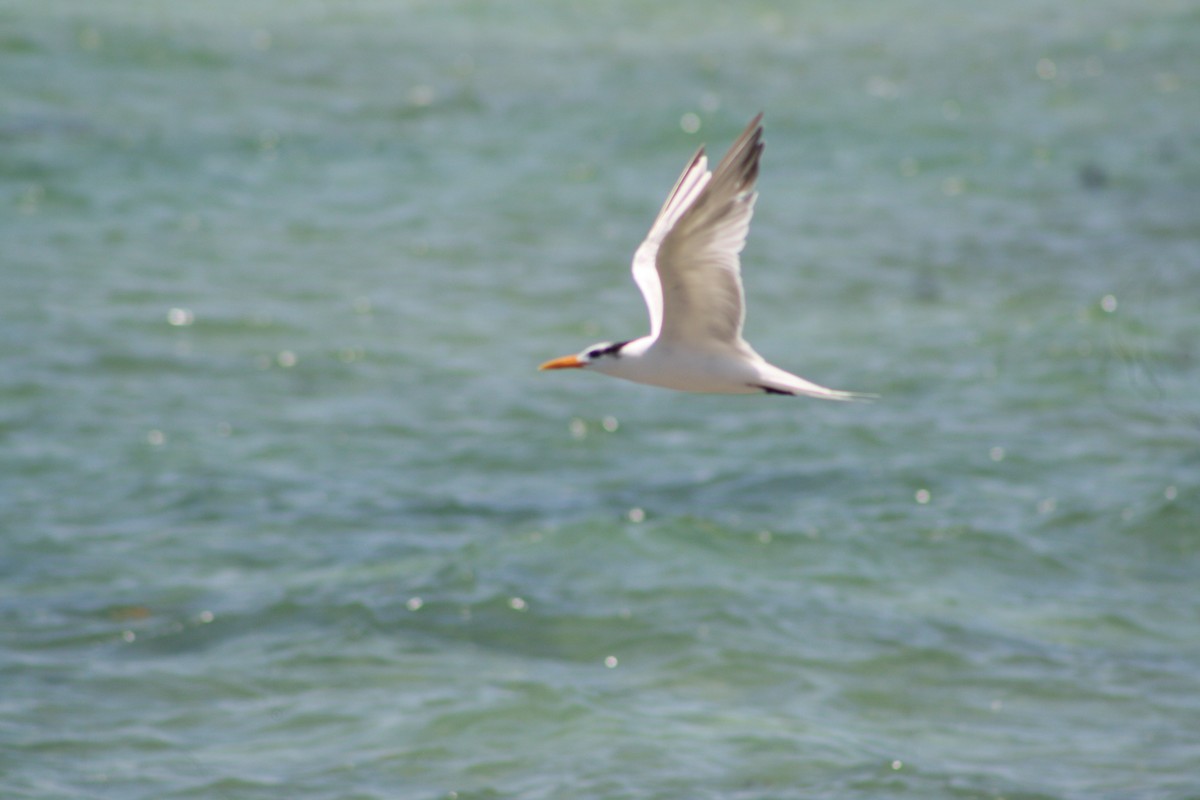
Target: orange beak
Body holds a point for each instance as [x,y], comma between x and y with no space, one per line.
[566,362]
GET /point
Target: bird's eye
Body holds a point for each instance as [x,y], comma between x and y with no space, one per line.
[594,353]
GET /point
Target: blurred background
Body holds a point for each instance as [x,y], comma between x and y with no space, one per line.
[286,510]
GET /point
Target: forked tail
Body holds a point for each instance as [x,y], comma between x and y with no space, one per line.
[776,381]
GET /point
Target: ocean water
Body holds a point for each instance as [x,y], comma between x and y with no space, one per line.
[286,510]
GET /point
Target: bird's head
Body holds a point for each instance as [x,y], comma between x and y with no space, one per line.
[597,355]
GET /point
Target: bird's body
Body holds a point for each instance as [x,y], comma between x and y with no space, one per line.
[689,273]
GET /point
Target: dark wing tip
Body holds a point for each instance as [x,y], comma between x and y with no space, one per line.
[743,157]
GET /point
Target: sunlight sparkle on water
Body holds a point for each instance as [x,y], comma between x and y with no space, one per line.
[421,95]
[180,317]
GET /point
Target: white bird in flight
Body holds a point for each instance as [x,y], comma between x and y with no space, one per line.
[690,276]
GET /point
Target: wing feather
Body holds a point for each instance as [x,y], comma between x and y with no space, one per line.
[645,273]
[688,267]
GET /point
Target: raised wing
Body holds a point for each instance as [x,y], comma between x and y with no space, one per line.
[688,267]
[645,272]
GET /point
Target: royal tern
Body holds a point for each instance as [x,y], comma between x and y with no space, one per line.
[690,276]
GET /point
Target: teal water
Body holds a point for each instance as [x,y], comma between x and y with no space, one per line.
[286,510]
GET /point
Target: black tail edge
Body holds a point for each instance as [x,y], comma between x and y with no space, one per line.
[772,389]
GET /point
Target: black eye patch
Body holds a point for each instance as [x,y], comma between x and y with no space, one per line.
[613,350]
